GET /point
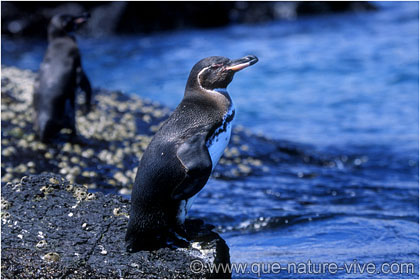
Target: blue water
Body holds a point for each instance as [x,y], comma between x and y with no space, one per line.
[346,86]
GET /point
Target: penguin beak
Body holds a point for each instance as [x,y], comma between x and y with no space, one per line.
[241,63]
[81,19]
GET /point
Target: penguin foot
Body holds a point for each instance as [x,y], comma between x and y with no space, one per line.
[151,241]
[194,222]
[86,109]
[79,139]
[144,244]
[181,231]
[175,241]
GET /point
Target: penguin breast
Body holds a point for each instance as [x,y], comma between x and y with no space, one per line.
[217,143]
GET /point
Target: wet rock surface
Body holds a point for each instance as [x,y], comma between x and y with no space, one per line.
[54,229]
[112,139]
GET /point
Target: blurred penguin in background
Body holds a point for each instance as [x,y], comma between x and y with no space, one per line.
[60,76]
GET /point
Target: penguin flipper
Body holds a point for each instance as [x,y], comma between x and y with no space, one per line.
[84,85]
[195,158]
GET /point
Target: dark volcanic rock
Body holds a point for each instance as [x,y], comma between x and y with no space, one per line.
[324,7]
[108,18]
[53,229]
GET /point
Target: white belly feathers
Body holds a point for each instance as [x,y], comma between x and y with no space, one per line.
[220,139]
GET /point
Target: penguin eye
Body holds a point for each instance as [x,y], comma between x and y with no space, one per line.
[214,66]
[68,21]
[65,23]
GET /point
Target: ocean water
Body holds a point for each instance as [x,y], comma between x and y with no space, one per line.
[343,87]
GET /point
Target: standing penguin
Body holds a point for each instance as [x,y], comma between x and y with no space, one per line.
[60,75]
[181,156]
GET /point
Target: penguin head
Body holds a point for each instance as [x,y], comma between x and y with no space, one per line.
[216,72]
[61,25]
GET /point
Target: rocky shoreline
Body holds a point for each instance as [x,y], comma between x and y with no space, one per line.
[45,187]
[113,137]
[54,229]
